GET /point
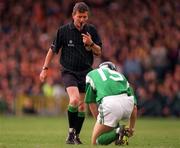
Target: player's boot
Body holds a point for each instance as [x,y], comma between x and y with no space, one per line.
[77,139]
[70,138]
[123,136]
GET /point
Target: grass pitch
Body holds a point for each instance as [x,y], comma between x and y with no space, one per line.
[51,132]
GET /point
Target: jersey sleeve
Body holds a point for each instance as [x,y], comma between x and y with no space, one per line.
[57,43]
[90,94]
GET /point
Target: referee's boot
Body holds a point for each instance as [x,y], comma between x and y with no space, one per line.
[77,139]
[71,136]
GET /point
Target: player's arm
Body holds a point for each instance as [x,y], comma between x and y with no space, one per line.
[90,97]
[133,116]
[133,120]
[94,109]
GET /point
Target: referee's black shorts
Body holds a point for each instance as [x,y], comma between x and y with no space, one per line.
[72,78]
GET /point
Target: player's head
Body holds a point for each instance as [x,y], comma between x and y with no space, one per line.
[109,65]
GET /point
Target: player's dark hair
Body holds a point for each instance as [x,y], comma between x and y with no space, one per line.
[80,7]
[108,64]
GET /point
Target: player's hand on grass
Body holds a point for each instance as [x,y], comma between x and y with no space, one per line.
[129,131]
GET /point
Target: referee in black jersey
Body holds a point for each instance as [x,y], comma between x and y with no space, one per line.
[78,42]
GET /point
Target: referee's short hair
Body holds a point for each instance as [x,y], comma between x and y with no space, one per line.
[80,7]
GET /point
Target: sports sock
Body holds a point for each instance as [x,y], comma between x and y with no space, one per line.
[80,121]
[72,116]
[107,138]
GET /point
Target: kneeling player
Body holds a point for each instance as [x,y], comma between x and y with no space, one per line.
[110,99]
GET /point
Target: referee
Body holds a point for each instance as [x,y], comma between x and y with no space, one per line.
[78,42]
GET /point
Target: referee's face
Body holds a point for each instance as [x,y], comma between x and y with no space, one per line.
[80,19]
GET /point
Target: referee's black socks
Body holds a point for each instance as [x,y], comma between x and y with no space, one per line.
[75,118]
[72,117]
[80,121]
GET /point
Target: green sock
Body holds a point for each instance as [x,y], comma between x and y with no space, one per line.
[72,108]
[107,138]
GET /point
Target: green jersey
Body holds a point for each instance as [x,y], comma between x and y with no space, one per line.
[104,82]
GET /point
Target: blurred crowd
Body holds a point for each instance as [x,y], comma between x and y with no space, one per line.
[141,36]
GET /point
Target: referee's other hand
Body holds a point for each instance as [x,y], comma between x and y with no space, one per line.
[43,75]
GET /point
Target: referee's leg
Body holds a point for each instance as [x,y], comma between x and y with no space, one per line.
[74,98]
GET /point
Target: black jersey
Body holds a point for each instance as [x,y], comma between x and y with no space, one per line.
[74,56]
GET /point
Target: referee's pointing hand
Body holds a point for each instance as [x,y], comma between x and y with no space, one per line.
[87,39]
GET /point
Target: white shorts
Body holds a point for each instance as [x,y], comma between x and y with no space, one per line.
[115,108]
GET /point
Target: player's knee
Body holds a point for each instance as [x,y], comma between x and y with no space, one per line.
[96,141]
[99,141]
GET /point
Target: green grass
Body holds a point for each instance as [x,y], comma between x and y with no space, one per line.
[51,132]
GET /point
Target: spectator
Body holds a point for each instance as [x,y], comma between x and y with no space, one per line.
[143,24]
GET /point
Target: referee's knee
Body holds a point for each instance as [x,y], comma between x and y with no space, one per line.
[74,102]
